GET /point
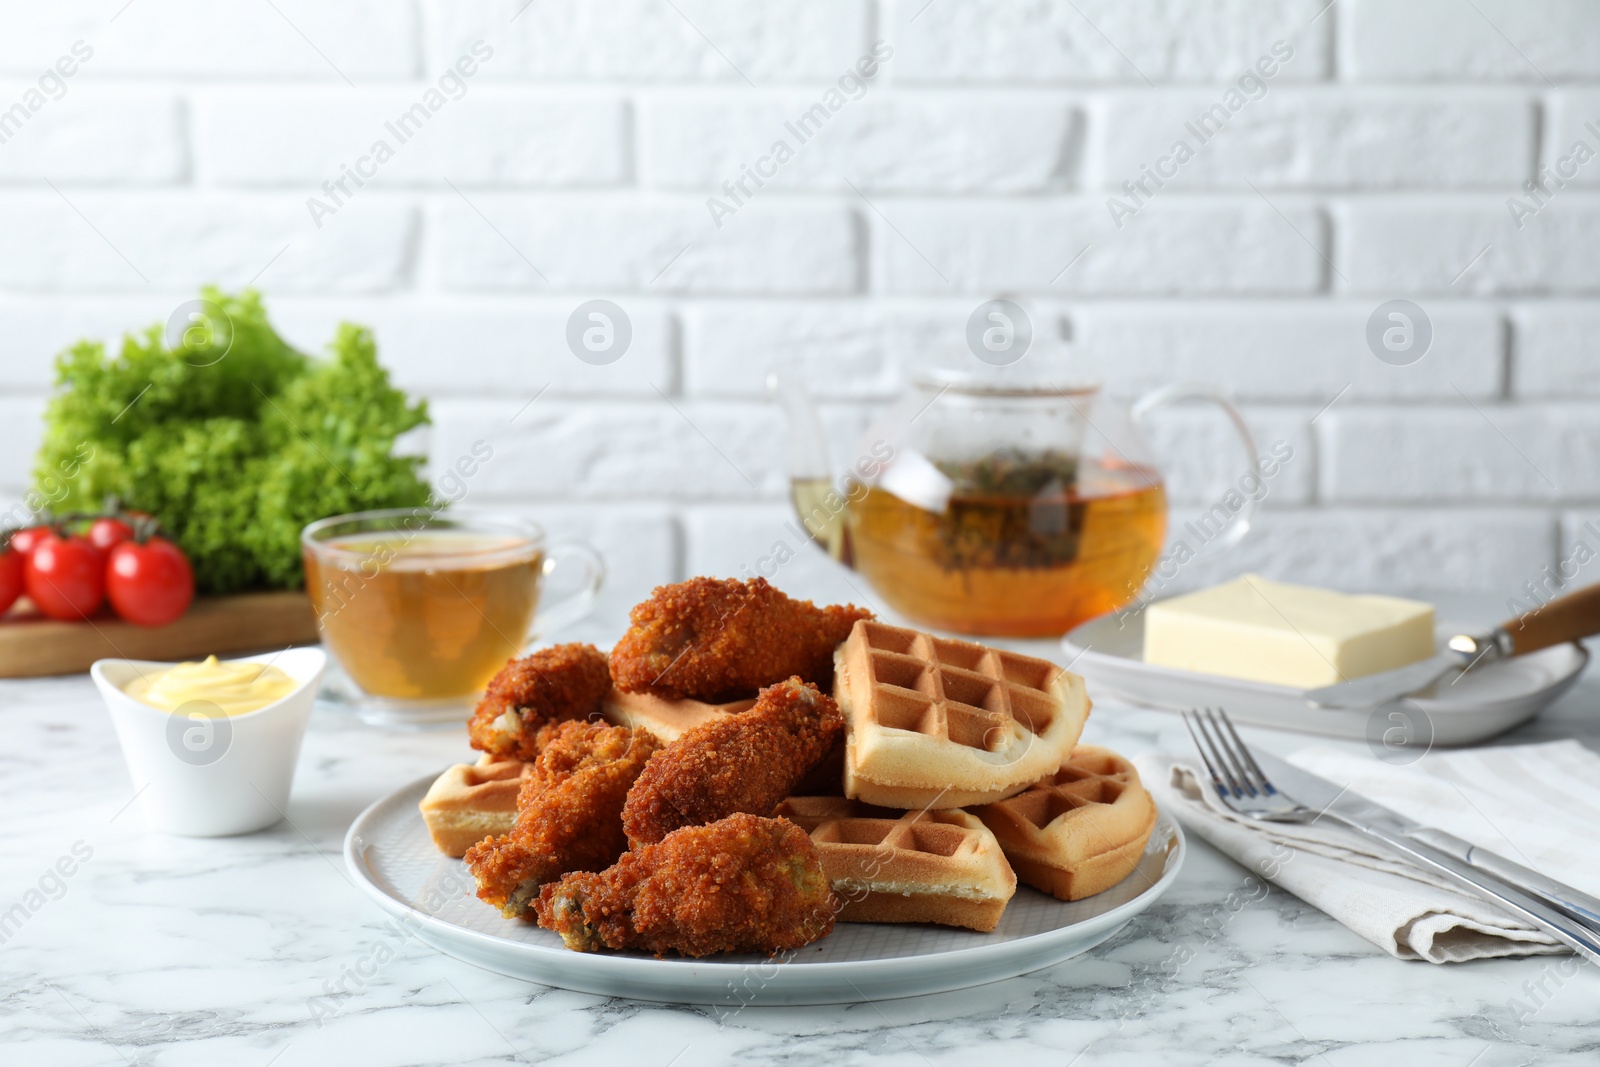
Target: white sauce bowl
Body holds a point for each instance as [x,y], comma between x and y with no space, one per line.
[205,776]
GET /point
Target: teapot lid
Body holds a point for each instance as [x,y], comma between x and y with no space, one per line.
[1049,377]
[981,384]
[1042,362]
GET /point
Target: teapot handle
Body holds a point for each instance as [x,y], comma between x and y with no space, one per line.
[1168,394]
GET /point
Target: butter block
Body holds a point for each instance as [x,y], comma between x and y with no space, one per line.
[1283,634]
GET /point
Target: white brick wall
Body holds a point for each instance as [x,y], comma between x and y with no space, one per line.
[647,41]
[1204,247]
[492,137]
[1093,41]
[936,142]
[88,240]
[641,243]
[1442,41]
[1431,245]
[1384,156]
[1307,138]
[98,135]
[302,40]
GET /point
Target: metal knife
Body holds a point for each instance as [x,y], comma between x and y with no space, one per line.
[1317,792]
[1563,619]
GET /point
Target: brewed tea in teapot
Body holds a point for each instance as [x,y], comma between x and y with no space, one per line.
[986,504]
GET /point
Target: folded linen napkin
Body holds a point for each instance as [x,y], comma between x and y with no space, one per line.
[1535,804]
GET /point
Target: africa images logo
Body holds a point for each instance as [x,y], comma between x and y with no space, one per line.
[803,127]
[451,85]
[51,85]
[1250,87]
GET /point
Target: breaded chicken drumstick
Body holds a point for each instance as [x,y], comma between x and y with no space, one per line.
[569,814]
[744,884]
[721,639]
[553,685]
[746,761]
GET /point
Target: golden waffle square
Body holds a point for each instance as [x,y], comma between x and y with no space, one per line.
[472,801]
[935,722]
[906,867]
[667,719]
[1078,831]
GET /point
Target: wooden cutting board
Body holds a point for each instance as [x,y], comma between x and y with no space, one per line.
[32,645]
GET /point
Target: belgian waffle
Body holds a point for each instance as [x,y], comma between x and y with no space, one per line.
[665,718]
[942,723]
[906,867]
[1079,831]
[472,801]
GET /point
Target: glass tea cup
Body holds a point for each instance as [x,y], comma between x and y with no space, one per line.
[419,608]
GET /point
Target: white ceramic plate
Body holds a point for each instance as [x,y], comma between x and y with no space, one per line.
[1488,700]
[391,856]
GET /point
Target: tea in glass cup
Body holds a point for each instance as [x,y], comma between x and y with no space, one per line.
[420,609]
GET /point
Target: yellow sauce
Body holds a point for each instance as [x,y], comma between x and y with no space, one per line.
[235,688]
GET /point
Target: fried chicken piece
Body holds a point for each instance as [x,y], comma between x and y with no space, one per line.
[745,761]
[743,884]
[717,640]
[553,685]
[569,814]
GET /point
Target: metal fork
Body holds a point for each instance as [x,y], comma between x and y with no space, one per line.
[1247,791]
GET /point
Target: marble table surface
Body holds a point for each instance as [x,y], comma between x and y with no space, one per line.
[163,950]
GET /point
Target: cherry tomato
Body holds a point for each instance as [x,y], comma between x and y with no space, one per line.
[25,541]
[66,577]
[149,584]
[11,564]
[107,533]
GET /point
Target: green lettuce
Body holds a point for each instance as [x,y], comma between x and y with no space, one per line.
[235,442]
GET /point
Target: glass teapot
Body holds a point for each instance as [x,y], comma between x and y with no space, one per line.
[1000,503]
